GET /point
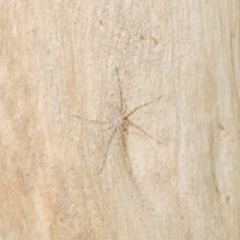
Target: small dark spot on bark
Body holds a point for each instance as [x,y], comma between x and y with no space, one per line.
[155,41]
[220,126]
[141,37]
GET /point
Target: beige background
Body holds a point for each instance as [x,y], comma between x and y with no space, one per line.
[57,59]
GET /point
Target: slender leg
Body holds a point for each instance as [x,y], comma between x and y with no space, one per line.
[108,128]
[93,121]
[138,128]
[141,106]
[124,107]
[106,154]
[120,91]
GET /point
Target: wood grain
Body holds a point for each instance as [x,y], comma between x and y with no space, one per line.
[57,60]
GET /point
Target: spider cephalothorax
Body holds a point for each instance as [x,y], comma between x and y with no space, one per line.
[115,117]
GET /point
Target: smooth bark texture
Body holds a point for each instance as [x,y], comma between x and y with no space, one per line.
[63,177]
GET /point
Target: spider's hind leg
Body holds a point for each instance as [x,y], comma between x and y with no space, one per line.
[142,131]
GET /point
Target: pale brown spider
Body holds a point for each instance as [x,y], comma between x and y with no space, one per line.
[119,122]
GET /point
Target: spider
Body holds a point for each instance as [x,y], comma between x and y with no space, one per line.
[118,121]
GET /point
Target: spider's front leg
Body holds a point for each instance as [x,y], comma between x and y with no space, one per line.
[93,121]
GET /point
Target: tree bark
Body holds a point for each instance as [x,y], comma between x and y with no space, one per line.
[73,167]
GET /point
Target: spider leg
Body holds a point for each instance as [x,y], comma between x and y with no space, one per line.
[108,128]
[106,154]
[141,106]
[92,121]
[124,108]
[120,90]
[142,131]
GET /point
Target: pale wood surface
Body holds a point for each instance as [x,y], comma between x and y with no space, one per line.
[57,59]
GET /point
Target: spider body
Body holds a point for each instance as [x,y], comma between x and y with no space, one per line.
[115,117]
